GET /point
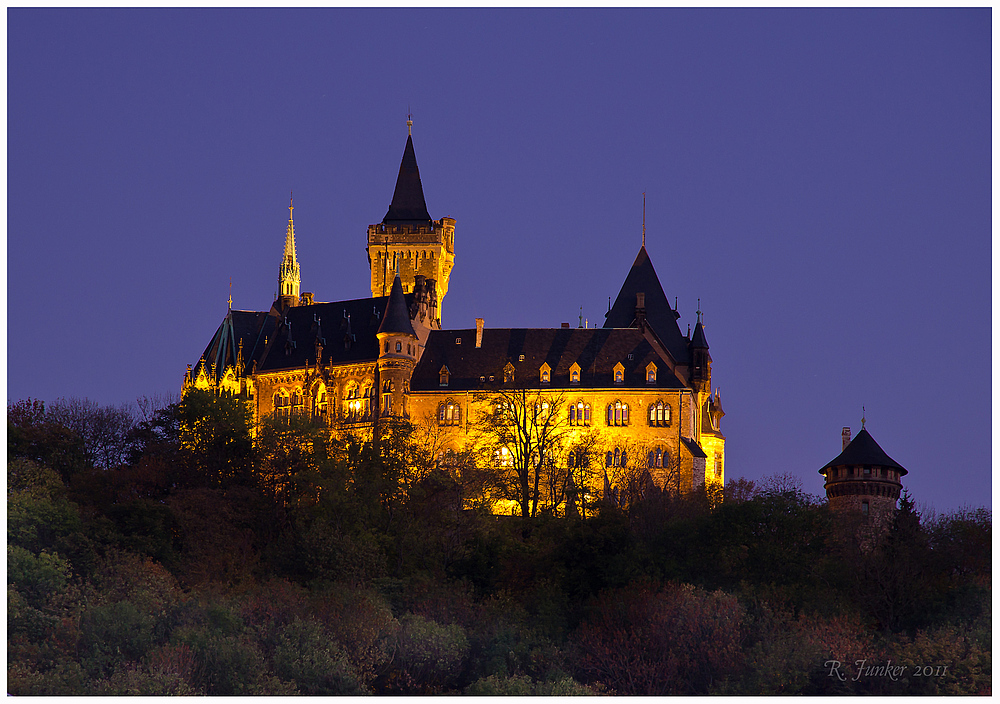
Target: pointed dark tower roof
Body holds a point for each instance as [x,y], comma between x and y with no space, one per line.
[660,316]
[408,203]
[397,315]
[863,450]
[698,341]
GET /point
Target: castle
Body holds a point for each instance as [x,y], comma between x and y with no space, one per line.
[633,395]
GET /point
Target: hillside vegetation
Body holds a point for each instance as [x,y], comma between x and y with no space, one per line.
[143,560]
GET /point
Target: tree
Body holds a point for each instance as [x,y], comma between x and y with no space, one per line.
[521,433]
[215,435]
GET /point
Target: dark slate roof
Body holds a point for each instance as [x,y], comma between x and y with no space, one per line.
[698,341]
[693,447]
[659,314]
[596,350]
[347,330]
[248,327]
[863,450]
[397,316]
[408,203]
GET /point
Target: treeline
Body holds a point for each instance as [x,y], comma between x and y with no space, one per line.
[159,550]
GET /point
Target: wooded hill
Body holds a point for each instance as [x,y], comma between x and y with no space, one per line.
[144,560]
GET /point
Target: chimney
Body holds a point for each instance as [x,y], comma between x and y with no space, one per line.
[640,300]
[479,332]
[565,325]
[845,436]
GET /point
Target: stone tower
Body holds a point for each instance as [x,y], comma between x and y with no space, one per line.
[407,241]
[863,480]
[289,276]
[397,354]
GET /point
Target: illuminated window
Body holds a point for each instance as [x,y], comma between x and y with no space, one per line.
[659,414]
[503,458]
[319,402]
[718,465]
[508,373]
[574,374]
[651,373]
[618,413]
[297,402]
[399,346]
[449,413]
[282,405]
[544,373]
[579,413]
[657,458]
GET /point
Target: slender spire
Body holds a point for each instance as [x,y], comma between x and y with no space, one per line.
[644,218]
[409,122]
[862,417]
[230,294]
[289,276]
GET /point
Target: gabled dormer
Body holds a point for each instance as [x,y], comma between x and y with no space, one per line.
[619,374]
[574,374]
[651,374]
[545,374]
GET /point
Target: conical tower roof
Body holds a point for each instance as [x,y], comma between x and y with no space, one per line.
[863,450]
[698,341]
[408,203]
[659,314]
[397,317]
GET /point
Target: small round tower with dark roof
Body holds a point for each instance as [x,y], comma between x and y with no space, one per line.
[397,353]
[863,480]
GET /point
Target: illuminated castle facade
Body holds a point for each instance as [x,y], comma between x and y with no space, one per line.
[637,393]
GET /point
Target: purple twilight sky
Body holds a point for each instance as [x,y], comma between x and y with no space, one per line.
[820,179]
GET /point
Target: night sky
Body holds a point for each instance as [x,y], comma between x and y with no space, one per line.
[820,179]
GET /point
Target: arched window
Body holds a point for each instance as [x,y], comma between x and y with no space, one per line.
[624,461]
[282,404]
[449,413]
[659,414]
[586,414]
[572,415]
[319,401]
[617,458]
[399,346]
[618,413]
[609,459]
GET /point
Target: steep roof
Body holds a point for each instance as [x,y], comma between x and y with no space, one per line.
[238,327]
[698,341]
[397,313]
[659,313]
[408,203]
[596,350]
[863,450]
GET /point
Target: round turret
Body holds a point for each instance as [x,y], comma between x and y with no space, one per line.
[863,479]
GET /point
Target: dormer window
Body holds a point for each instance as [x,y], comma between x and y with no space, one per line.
[651,373]
[619,373]
[508,373]
[458,340]
[545,373]
[574,374]
[443,376]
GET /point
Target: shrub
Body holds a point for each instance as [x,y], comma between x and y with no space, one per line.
[646,640]
[306,656]
[429,656]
